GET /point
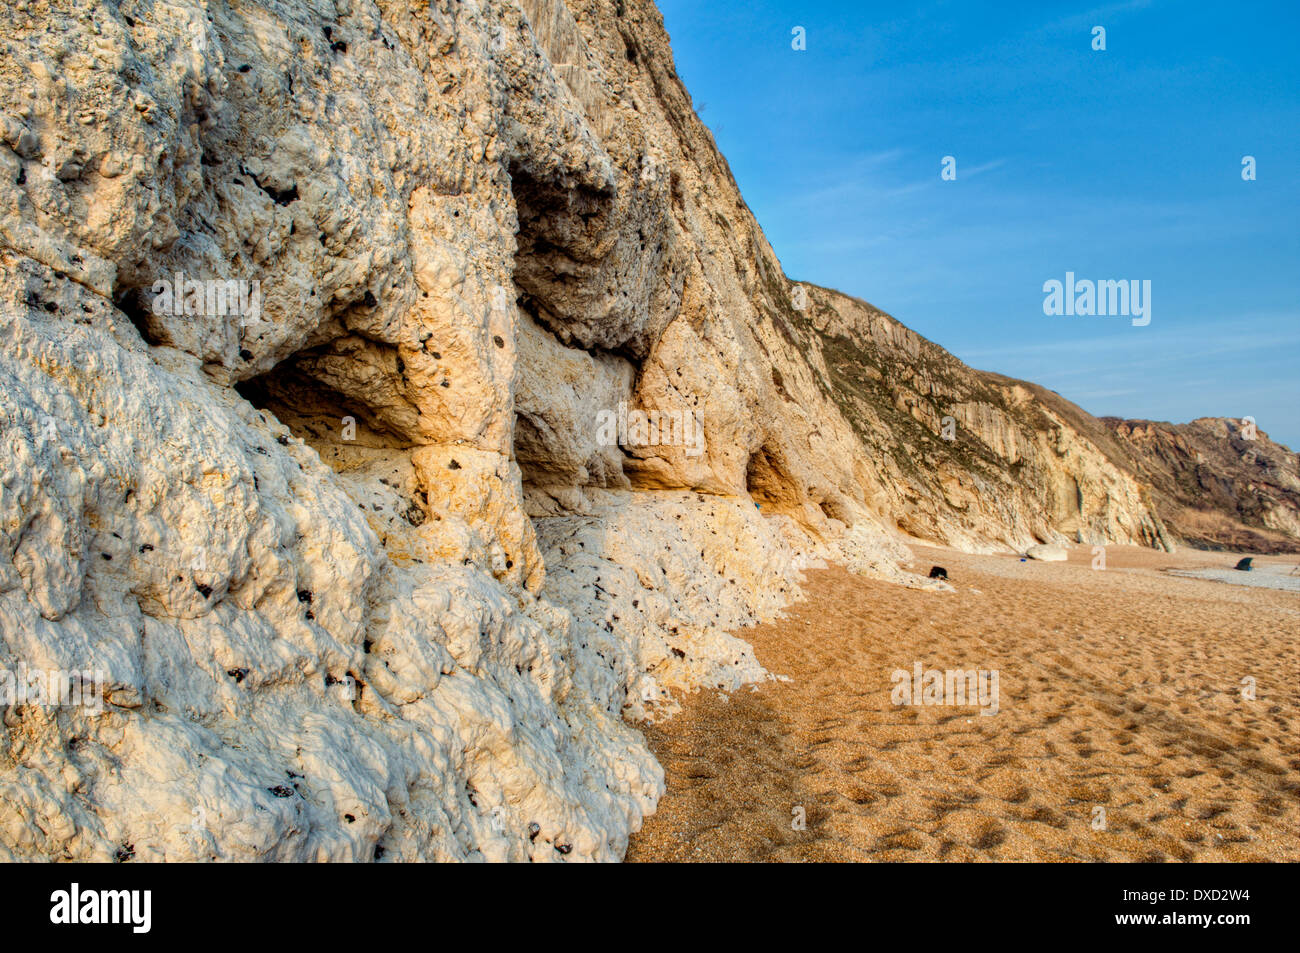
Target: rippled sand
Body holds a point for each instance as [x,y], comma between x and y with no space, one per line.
[1119,689]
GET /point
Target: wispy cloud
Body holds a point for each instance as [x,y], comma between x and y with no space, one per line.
[1234,337]
[1096,16]
[968,172]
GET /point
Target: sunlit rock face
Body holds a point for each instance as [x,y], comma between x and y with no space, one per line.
[1218,483]
[398,401]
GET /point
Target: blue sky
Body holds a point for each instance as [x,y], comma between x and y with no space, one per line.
[1122,164]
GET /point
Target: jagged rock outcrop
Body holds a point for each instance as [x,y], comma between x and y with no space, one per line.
[1217,483]
[314,315]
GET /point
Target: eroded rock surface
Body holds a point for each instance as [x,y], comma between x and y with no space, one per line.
[364,572]
[1218,483]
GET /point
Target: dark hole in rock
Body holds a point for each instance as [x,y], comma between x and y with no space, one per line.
[768,481]
[134,304]
[330,422]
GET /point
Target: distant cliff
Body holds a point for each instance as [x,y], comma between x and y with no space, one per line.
[1217,483]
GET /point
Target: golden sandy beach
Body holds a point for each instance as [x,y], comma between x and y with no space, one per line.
[1119,689]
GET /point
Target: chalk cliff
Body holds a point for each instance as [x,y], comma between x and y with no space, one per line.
[363,575]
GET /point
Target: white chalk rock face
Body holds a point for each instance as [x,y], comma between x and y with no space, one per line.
[399,402]
[1048,553]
